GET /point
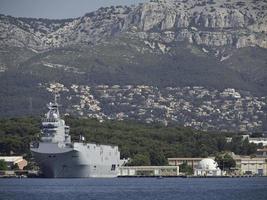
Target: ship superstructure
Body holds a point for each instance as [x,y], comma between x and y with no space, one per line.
[59,157]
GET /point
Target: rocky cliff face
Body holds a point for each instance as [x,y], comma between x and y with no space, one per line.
[209,23]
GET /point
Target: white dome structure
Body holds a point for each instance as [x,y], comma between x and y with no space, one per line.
[208,164]
[207,167]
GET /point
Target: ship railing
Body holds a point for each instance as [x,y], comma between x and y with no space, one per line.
[49,125]
[49,120]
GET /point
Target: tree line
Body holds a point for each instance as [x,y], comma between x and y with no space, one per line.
[145,144]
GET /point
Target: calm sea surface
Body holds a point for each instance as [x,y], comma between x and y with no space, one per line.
[134,188]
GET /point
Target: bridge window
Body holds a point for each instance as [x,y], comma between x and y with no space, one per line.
[113,167]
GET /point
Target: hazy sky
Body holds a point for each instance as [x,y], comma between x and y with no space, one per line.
[56,9]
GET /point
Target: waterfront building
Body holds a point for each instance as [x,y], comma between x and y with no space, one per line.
[192,162]
[207,167]
[11,161]
[262,152]
[245,165]
[149,171]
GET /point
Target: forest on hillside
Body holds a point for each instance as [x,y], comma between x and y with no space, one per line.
[145,144]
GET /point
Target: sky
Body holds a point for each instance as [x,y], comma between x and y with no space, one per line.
[56,9]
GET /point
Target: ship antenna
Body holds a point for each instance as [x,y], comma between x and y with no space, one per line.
[56,97]
[56,105]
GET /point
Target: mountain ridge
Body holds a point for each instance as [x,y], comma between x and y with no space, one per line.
[172,43]
[198,21]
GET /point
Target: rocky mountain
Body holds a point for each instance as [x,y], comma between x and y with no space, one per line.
[178,43]
[201,22]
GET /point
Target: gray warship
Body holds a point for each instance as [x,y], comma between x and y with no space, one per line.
[59,157]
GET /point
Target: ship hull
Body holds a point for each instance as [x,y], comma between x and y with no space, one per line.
[70,163]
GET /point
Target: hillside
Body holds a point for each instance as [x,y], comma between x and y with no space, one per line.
[172,43]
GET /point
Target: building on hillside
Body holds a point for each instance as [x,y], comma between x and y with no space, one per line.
[260,140]
[208,167]
[11,161]
[149,171]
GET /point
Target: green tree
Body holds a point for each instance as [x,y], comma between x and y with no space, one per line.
[3,165]
[157,157]
[225,161]
[15,166]
[140,160]
[186,169]
[248,148]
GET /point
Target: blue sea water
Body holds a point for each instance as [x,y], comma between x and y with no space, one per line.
[134,189]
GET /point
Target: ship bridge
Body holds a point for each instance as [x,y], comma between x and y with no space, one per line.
[54,129]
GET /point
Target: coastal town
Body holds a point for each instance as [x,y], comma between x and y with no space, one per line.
[197,107]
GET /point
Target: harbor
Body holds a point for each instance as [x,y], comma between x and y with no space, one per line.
[135,188]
